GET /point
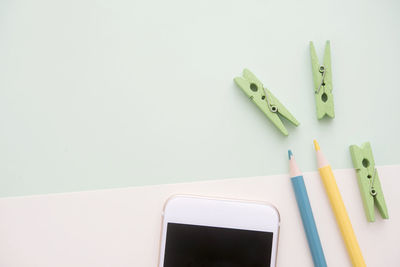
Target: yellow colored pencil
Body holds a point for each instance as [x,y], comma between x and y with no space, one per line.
[342,218]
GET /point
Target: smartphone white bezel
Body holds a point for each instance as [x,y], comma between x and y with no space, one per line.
[218,212]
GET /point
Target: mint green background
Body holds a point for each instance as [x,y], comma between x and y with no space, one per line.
[104,94]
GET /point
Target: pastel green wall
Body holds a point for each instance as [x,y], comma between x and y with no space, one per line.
[125,93]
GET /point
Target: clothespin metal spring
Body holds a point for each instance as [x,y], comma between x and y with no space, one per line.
[373,191]
[271,107]
[322,70]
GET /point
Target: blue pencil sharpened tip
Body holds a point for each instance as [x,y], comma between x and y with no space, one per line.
[290,154]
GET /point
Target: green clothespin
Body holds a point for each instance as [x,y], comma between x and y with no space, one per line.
[264,100]
[368,181]
[322,75]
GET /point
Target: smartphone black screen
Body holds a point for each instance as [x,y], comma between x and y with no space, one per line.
[205,246]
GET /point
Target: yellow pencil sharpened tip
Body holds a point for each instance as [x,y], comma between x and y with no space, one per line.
[316,145]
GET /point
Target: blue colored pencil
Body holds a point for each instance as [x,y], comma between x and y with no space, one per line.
[306,213]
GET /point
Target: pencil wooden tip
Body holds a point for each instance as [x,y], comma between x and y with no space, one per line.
[316,145]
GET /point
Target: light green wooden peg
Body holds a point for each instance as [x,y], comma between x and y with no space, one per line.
[368,181]
[265,100]
[322,75]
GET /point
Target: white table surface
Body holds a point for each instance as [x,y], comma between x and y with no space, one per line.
[121,227]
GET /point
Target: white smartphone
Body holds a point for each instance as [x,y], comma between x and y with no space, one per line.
[207,232]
